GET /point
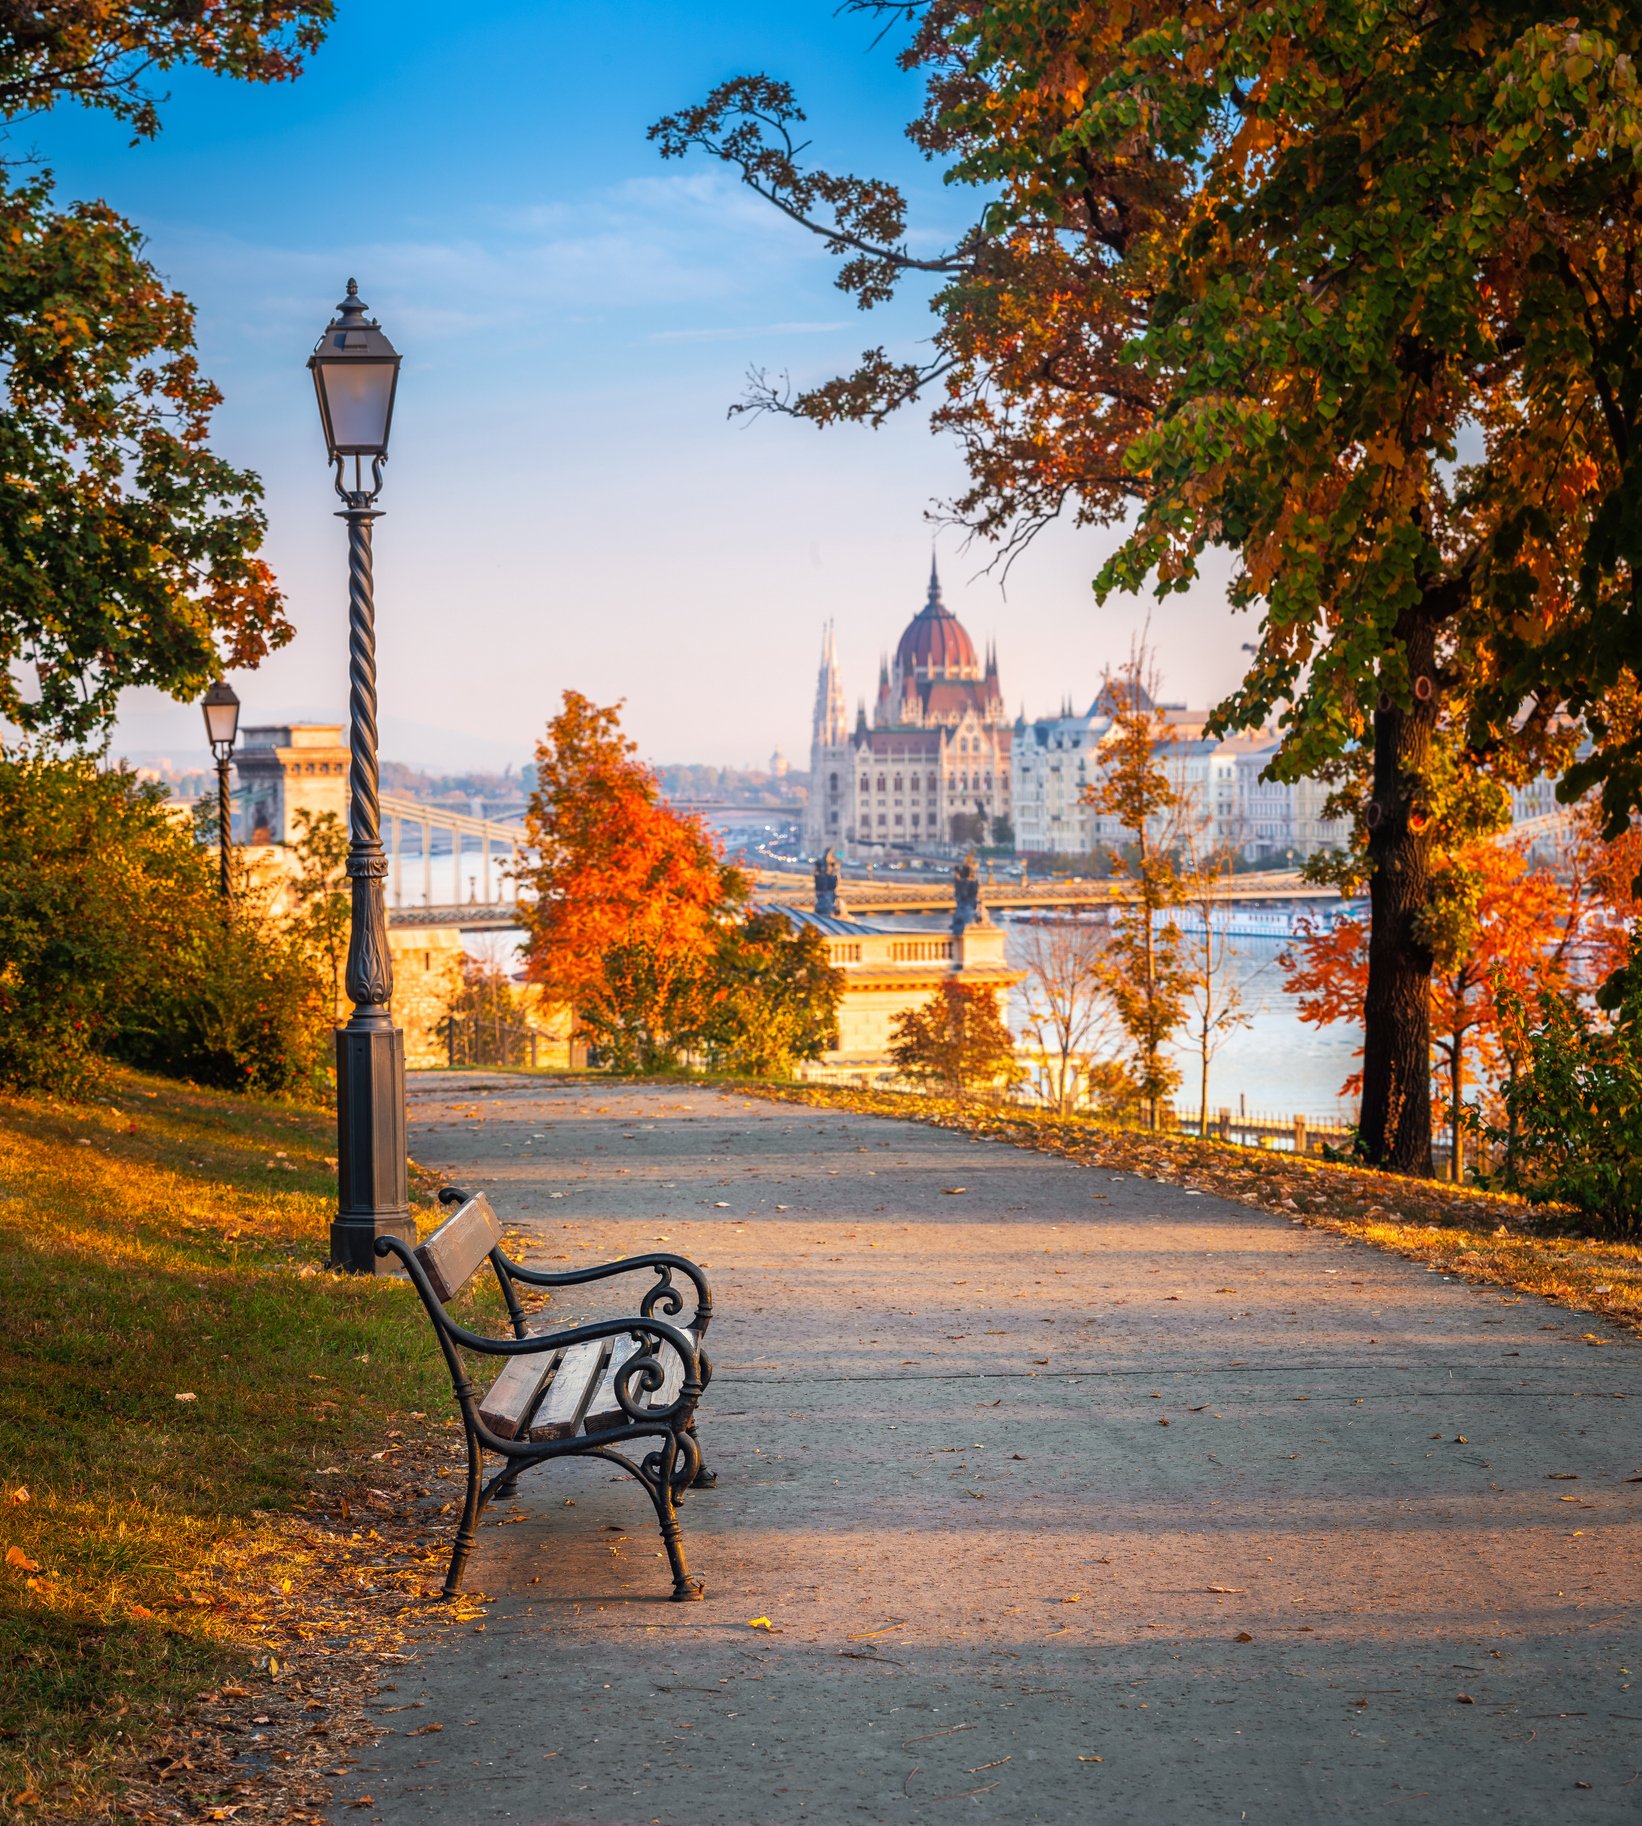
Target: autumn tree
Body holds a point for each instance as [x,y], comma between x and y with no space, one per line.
[1149,974]
[1214,996]
[1251,268]
[323,904]
[128,547]
[957,1041]
[481,1024]
[768,999]
[1071,1027]
[1503,934]
[624,897]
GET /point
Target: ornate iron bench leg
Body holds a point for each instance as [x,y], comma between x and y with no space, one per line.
[703,1479]
[468,1530]
[664,1464]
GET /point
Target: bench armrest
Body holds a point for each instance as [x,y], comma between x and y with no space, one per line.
[644,1367]
[664,1294]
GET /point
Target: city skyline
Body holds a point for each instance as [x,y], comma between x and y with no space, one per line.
[567,504]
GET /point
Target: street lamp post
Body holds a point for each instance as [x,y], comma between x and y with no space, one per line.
[356,370]
[221,708]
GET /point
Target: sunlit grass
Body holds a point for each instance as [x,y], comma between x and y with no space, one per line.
[165,1243]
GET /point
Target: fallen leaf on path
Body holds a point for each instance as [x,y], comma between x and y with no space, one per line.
[761,1623]
[1228,1590]
[1242,1636]
[1464,1699]
[883,1629]
[426,1730]
[954,1191]
[1091,1759]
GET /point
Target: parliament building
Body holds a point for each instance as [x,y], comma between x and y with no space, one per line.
[930,773]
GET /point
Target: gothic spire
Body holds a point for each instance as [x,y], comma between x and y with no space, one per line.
[831,725]
[934,581]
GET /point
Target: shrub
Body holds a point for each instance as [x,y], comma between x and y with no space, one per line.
[114,943]
[1574,1107]
[768,998]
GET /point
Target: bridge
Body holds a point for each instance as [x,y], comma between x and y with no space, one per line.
[401,815]
[492,898]
[867,898]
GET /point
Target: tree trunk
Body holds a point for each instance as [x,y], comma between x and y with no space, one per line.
[1456,1075]
[1396,1117]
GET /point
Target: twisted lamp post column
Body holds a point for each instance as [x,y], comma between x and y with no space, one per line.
[355,371]
[221,708]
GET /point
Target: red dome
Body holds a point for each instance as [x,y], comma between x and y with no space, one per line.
[935,643]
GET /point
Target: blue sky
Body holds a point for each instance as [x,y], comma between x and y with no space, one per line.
[567,504]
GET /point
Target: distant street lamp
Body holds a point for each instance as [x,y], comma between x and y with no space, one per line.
[356,370]
[221,708]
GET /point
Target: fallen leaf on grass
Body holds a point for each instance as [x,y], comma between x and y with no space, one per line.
[19,1495]
[15,1556]
[185,1395]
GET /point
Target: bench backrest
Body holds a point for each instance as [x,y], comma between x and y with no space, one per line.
[455,1250]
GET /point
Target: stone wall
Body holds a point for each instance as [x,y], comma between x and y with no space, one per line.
[427,972]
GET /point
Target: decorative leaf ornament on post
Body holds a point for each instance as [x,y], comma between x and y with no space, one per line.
[356,372]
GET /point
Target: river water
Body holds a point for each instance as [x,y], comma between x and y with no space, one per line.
[1276,1065]
[1273,1066]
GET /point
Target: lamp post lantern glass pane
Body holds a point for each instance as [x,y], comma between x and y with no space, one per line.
[355,370]
[221,714]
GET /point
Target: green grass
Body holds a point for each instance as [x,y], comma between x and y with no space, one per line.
[166,1241]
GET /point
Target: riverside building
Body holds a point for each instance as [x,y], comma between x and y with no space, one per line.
[930,773]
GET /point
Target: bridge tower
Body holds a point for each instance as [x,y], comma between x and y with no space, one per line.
[286,768]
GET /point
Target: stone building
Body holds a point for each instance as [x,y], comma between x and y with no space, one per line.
[889,970]
[929,773]
[286,768]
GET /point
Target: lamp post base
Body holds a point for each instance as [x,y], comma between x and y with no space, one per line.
[372,1185]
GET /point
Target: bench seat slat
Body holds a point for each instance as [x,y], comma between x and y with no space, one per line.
[451,1254]
[514,1393]
[604,1411]
[560,1413]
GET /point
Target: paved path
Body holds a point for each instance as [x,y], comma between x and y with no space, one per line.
[1071,1497]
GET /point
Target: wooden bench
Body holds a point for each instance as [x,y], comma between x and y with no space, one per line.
[584,1389]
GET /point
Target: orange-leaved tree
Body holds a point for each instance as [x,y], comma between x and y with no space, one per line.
[1504,934]
[627,894]
[956,1040]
